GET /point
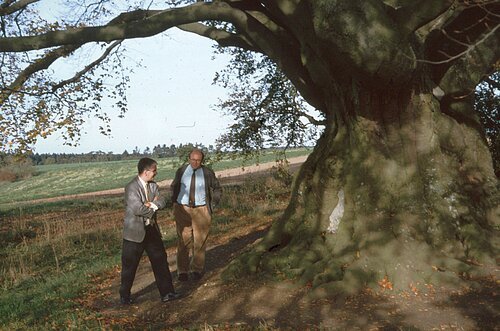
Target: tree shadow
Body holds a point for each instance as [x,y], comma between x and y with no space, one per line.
[217,257]
[480,304]
[253,301]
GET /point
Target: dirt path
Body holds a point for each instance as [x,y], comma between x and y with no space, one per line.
[222,175]
[259,303]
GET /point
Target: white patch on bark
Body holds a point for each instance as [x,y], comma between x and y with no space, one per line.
[452,202]
[336,214]
[438,92]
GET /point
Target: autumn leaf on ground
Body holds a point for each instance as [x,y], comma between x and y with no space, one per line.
[385,283]
[414,289]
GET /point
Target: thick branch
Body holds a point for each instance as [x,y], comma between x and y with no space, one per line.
[418,13]
[438,24]
[10,7]
[285,53]
[266,37]
[150,24]
[478,59]
[312,119]
[470,47]
[223,38]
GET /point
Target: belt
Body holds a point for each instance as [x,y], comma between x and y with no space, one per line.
[194,206]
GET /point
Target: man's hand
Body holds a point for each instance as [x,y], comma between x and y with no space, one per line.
[151,205]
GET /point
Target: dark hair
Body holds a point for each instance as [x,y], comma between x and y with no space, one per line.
[145,164]
[197,150]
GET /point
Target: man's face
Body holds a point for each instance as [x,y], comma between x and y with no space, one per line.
[150,173]
[195,160]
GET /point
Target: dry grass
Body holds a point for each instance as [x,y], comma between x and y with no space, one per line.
[53,252]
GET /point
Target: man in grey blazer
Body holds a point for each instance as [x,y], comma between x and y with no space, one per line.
[141,233]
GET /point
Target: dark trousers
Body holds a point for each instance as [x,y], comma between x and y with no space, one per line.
[131,255]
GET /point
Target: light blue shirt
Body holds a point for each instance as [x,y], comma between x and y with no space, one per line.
[199,196]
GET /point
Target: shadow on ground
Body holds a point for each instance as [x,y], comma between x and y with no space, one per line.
[259,303]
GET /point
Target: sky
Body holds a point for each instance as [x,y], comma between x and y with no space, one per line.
[170,99]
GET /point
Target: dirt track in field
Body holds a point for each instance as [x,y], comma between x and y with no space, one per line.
[225,176]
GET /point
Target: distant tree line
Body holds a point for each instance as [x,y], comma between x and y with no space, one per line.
[158,151]
[15,167]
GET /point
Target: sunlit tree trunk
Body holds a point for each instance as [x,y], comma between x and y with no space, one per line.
[398,195]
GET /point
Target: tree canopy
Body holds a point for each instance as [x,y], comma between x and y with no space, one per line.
[294,35]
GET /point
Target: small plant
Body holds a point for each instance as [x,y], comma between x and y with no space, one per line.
[281,172]
[7,175]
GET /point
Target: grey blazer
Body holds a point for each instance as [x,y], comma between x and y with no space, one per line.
[135,211]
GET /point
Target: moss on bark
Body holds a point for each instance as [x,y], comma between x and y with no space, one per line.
[418,206]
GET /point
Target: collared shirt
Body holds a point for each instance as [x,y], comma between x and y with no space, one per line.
[144,185]
[200,198]
[148,198]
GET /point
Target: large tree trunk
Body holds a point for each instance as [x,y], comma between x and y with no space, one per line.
[404,195]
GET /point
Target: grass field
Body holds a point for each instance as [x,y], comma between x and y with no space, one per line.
[66,179]
[53,253]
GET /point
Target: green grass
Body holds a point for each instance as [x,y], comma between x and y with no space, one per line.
[43,294]
[52,254]
[67,179]
[94,203]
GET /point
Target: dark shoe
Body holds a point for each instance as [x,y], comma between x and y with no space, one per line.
[170,297]
[183,277]
[126,301]
[196,276]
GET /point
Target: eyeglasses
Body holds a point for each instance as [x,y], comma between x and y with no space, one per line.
[195,160]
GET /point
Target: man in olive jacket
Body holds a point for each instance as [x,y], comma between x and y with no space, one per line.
[195,190]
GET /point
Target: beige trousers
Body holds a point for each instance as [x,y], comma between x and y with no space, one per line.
[193,225]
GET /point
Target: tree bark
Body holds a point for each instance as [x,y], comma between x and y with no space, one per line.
[402,195]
